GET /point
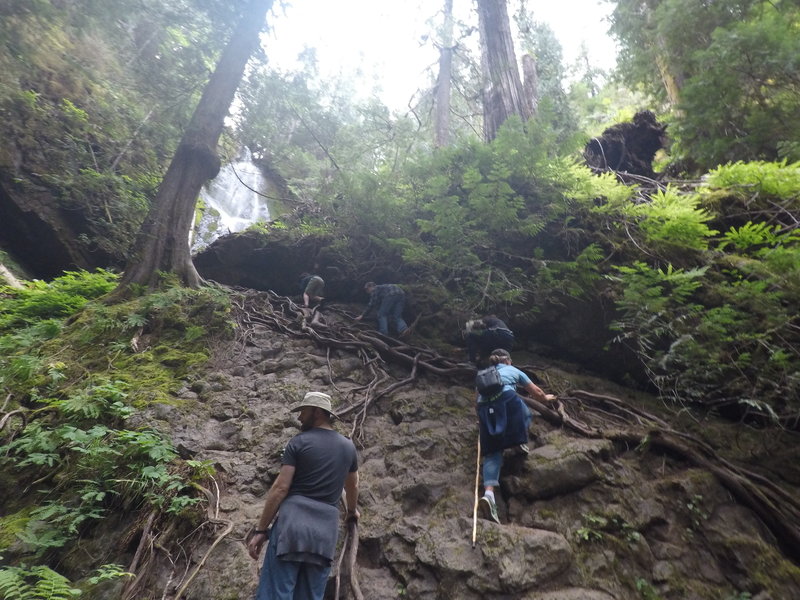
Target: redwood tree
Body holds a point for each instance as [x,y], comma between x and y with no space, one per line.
[443,82]
[503,94]
[162,244]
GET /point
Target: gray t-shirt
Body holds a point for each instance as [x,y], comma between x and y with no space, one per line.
[322,458]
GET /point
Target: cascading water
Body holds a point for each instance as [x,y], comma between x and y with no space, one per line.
[231,202]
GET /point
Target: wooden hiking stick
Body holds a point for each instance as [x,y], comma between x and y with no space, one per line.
[475,506]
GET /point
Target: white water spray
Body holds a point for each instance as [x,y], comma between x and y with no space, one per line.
[232,202]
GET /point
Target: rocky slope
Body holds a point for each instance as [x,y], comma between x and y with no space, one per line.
[583,519]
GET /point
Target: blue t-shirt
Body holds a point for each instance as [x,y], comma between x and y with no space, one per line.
[321,458]
[511,377]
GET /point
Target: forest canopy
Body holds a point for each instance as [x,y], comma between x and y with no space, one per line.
[516,222]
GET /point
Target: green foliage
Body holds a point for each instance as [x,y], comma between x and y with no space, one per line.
[61,297]
[592,529]
[749,235]
[729,67]
[102,465]
[539,41]
[742,100]
[95,97]
[452,215]
[587,534]
[108,572]
[724,332]
[673,220]
[75,453]
[697,512]
[597,527]
[35,583]
[42,583]
[757,179]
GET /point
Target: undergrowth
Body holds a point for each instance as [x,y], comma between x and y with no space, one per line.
[72,373]
[721,329]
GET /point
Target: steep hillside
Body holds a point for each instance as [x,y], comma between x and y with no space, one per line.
[142,438]
[592,518]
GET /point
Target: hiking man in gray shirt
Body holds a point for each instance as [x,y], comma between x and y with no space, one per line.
[317,464]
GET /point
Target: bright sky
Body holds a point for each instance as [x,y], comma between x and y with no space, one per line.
[383,40]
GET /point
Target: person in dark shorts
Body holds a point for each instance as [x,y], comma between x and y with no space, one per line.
[313,287]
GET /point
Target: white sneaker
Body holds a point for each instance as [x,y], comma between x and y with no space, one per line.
[488,509]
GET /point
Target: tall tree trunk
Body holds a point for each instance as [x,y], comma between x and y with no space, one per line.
[503,94]
[162,244]
[443,82]
[672,82]
[531,83]
[671,79]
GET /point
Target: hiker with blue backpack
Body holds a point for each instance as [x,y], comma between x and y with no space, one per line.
[503,419]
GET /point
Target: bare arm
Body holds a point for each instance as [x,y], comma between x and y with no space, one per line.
[351,495]
[277,493]
[538,393]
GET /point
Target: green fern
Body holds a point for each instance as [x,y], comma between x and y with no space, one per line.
[37,583]
[749,235]
[774,179]
[12,583]
[674,220]
[51,585]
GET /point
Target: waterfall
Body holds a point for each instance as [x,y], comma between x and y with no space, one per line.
[231,202]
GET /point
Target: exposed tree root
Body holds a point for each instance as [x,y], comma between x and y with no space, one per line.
[5,421]
[349,551]
[779,510]
[584,413]
[213,518]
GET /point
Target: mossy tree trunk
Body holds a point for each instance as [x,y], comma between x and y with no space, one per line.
[162,245]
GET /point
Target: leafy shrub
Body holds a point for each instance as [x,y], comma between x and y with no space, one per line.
[75,449]
[674,220]
[774,179]
[59,298]
[35,583]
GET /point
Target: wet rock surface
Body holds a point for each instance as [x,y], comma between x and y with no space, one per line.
[582,519]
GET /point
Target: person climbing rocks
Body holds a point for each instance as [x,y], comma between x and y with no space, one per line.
[389,298]
[484,335]
[503,419]
[317,465]
[313,287]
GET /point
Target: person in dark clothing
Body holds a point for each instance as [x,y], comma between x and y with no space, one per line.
[389,299]
[503,421]
[486,334]
[313,287]
[317,465]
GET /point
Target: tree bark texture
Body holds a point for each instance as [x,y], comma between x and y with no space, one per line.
[443,83]
[531,83]
[671,79]
[503,94]
[162,244]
